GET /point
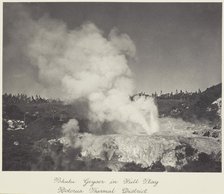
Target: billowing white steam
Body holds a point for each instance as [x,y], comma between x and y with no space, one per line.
[70,129]
[83,63]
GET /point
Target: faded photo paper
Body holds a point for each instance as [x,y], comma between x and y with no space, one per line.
[111,97]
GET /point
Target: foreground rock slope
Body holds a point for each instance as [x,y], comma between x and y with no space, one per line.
[170,152]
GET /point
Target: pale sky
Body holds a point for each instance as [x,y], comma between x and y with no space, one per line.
[178,44]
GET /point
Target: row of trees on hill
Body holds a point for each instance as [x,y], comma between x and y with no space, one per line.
[23,98]
[177,95]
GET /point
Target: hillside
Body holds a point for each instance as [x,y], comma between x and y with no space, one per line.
[190,124]
[192,107]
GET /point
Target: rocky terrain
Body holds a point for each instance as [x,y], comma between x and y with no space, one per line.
[189,139]
[172,153]
[175,148]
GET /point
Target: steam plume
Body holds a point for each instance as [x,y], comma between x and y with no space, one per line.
[83,63]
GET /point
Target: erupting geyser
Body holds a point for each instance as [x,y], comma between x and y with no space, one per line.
[84,64]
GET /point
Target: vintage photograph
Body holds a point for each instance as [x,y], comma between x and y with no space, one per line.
[96,86]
